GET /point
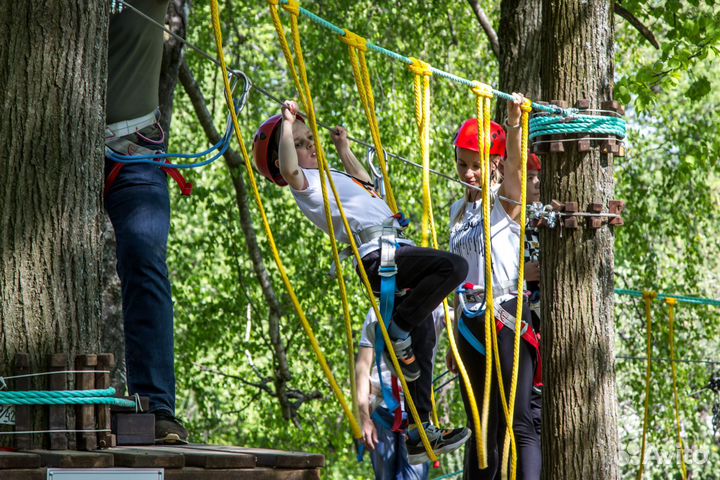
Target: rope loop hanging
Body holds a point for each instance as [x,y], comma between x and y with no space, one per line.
[648,298]
[526,108]
[671,303]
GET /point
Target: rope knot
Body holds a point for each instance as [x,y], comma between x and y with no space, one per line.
[354,40]
[649,295]
[418,67]
[293,7]
[482,90]
[526,106]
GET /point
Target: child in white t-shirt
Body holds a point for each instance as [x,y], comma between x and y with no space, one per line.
[284,151]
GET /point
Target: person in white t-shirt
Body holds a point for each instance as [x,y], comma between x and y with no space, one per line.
[284,151]
[386,445]
[467,239]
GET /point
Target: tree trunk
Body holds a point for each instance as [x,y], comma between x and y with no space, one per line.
[579,434]
[176,20]
[520,49]
[52,74]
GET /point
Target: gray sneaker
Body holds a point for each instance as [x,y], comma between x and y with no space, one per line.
[441,441]
[403,351]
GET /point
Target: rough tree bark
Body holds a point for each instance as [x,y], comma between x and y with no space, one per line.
[579,435]
[52,74]
[520,49]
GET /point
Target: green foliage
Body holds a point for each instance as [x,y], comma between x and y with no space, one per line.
[669,179]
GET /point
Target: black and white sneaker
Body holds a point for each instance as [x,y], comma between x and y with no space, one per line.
[441,441]
[403,351]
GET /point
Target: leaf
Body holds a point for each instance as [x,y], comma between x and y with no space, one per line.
[698,89]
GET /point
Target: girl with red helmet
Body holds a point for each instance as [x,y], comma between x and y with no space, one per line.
[467,240]
[284,150]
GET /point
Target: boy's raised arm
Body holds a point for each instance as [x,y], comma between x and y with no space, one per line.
[289,168]
[348,158]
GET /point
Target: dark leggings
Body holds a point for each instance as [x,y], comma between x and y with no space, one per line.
[527,438]
[431,275]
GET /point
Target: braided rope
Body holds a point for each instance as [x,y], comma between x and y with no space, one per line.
[64,397]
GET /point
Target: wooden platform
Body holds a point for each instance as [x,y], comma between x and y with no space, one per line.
[188,462]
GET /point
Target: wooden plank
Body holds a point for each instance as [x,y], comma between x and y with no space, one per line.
[86,413]
[273,458]
[106,361]
[73,459]
[146,458]
[191,473]
[23,474]
[18,460]
[57,419]
[210,459]
[23,418]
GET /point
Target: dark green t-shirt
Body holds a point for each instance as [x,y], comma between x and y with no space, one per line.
[135,49]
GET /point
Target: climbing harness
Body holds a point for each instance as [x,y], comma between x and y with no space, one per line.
[122,148]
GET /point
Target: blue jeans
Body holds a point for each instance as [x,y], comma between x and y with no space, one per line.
[390,457]
[139,207]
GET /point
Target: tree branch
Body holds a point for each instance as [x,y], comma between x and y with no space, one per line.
[633,20]
[487,26]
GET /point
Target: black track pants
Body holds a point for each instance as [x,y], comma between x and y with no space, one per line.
[527,438]
[431,275]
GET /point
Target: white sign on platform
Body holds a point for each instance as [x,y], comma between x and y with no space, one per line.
[7,414]
[105,474]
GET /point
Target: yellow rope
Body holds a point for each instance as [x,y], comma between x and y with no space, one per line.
[422,73]
[648,297]
[671,313]
[357,433]
[310,111]
[526,109]
[357,46]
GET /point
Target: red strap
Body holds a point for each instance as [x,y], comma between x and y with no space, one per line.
[110,180]
[397,424]
[185,186]
[534,340]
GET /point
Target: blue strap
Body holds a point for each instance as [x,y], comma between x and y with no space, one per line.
[360,451]
[380,417]
[387,303]
[470,337]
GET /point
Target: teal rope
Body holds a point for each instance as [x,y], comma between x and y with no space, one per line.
[592,124]
[436,71]
[64,397]
[679,298]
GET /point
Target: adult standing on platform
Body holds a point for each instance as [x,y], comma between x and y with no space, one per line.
[138,203]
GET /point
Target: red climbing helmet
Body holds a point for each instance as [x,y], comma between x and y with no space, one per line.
[467,137]
[264,149]
[534,163]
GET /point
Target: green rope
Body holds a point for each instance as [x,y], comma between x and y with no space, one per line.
[679,298]
[591,124]
[65,397]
